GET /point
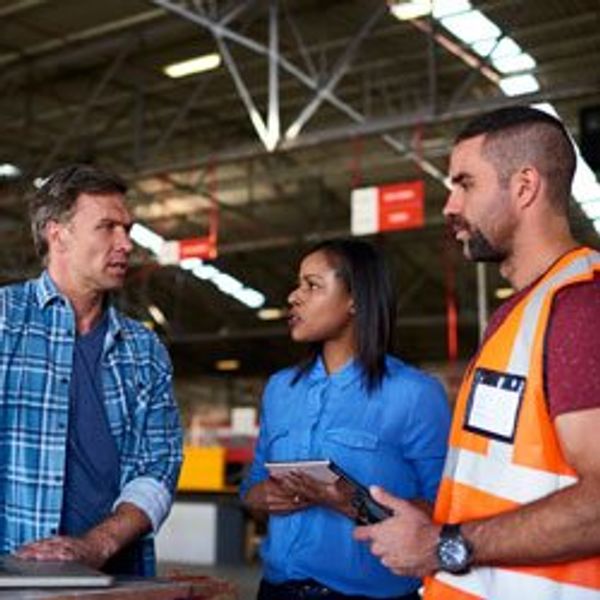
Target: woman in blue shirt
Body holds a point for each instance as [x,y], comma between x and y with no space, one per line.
[382,421]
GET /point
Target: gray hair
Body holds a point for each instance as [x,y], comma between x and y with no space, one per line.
[55,199]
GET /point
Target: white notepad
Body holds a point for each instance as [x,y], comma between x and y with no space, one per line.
[18,573]
[319,469]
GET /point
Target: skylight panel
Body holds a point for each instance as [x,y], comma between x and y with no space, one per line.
[517,85]
[514,64]
[471,26]
[443,8]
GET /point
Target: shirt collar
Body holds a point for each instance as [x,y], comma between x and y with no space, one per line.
[47,292]
[342,378]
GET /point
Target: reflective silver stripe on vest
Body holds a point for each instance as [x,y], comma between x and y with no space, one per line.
[501,584]
[520,358]
[521,354]
[502,478]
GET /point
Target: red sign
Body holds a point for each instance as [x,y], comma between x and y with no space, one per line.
[201,247]
[401,205]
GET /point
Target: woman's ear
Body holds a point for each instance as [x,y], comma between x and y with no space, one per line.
[352,309]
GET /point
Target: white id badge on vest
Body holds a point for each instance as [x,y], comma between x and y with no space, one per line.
[494,404]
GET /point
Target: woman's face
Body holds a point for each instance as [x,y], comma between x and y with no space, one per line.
[321,308]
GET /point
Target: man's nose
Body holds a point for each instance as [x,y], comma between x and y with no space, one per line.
[452,206]
[125,243]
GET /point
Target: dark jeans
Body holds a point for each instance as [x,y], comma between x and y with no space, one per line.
[308,589]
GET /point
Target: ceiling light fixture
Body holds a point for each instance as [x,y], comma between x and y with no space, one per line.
[9,171]
[271,314]
[157,315]
[504,292]
[227,364]
[406,10]
[191,66]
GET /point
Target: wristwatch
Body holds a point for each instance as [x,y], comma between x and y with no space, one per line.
[454,552]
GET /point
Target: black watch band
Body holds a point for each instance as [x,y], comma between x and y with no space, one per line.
[454,551]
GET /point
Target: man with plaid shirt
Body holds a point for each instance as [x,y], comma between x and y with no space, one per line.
[90,440]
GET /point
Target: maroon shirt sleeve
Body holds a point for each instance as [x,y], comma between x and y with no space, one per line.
[573,349]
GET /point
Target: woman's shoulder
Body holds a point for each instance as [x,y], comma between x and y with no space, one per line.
[400,372]
[282,380]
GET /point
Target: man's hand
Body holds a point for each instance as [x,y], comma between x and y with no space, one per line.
[66,548]
[405,542]
[126,524]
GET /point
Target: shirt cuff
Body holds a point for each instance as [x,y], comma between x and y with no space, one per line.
[150,496]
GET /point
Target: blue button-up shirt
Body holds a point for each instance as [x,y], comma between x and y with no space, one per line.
[37,336]
[395,437]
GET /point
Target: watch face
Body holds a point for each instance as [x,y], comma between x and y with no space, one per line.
[453,551]
[453,554]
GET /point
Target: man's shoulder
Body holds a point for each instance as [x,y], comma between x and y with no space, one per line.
[135,330]
[16,297]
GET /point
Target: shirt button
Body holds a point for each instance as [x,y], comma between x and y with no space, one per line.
[58,478]
[53,531]
[64,380]
[61,424]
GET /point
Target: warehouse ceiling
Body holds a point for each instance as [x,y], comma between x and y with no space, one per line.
[376,100]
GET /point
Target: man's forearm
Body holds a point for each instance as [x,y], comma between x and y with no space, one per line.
[563,526]
[126,524]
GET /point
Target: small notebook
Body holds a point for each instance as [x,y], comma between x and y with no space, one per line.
[319,469]
[18,573]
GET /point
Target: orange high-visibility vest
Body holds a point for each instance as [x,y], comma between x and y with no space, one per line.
[504,452]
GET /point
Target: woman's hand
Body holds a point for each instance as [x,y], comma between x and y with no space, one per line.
[274,496]
[312,492]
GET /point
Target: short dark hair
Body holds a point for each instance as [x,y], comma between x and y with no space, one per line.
[364,271]
[56,198]
[519,134]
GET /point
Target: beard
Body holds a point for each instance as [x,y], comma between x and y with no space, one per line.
[477,248]
[480,249]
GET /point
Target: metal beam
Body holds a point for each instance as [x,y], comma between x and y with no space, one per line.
[273,122]
[253,113]
[337,73]
[377,127]
[86,35]
[223,32]
[17,7]
[182,112]
[235,12]
[89,103]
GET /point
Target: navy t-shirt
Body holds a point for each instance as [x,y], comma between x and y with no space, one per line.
[92,477]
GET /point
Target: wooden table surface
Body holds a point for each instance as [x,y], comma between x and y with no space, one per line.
[179,588]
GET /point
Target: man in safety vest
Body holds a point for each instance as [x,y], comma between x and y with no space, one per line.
[518,510]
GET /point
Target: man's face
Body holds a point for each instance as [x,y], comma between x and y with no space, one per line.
[478,209]
[92,249]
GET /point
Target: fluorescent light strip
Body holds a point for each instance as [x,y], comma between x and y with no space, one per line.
[9,171]
[487,40]
[227,284]
[199,64]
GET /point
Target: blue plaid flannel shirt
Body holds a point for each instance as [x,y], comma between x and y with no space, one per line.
[37,334]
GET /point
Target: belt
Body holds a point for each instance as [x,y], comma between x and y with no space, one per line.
[309,589]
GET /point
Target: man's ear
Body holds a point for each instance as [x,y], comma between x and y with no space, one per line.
[55,233]
[526,184]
